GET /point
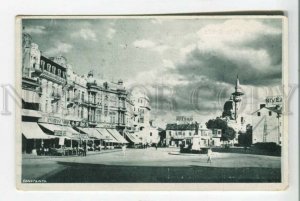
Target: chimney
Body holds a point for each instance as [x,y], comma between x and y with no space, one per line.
[262,106]
[151,122]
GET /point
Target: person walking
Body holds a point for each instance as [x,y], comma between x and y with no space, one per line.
[84,150]
[124,149]
[209,154]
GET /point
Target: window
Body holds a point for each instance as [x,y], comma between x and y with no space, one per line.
[43,64]
[270,113]
[46,106]
[57,107]
[190,133]
[170,133]
[82,96]
[59,72]
[150,133]
[141,120]
[53,69]
[48,67]
[258,114]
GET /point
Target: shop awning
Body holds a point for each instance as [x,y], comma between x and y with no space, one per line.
[108,137]
[132,138]
[140,136]
[31,113]
[92,133]
[51,127]
[31,130]
[58,130]
[117,135]
[71,133]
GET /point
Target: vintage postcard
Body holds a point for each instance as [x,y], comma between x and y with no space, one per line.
[151,103]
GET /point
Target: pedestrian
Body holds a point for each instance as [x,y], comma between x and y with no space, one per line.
[209,154]
[124,149]
[84,150]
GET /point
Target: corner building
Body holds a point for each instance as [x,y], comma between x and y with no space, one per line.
[63,109]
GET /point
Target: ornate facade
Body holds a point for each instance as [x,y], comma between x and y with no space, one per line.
[60,97]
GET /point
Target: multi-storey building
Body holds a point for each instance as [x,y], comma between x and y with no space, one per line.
[63,104]
[141,111]
[188,134]
[267,121]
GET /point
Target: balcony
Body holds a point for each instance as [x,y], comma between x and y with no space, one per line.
[84,102]
[92,123]
[92,103]
[122,109]
[37,70]
[55,96]
[121,125]
[75,100]
[52,77]
[70,84]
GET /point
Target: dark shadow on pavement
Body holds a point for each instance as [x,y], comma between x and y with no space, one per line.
[99,173]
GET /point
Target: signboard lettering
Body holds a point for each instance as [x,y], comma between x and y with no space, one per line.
[184,118]
[272,101]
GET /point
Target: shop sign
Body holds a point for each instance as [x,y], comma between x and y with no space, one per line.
[59,133]
[272,101]
[61,141]
[54,120]
[184,118]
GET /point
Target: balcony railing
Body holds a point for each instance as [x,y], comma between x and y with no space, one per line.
[56,96]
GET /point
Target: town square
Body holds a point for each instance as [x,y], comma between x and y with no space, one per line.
[111,101]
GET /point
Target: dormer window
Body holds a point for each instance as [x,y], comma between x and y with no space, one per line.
[48,67]
[53,69]
[43,64]
[59,72]
[258,114]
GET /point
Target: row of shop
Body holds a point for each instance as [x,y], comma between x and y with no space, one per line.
[49,139]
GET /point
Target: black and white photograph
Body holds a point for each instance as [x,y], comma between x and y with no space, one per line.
[142,100]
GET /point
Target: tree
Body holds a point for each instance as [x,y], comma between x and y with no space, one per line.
[228,133]
[216,124]
[245,139]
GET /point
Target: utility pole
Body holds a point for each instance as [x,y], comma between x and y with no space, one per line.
[265,132]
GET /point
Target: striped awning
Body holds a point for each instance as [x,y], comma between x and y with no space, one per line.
[31,130]
[117,135]
[132,138]
[92,133]
[108,137]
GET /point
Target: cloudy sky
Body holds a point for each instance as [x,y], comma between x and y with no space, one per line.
[186,66]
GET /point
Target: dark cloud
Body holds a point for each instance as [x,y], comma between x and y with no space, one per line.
[201,96]
[271,43]
[216,65]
